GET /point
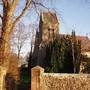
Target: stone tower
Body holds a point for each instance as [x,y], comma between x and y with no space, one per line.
[48,26]
[48,30]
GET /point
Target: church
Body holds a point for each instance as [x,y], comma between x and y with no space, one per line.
[48,31]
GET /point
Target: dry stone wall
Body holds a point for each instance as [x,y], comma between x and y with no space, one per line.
[58,81]
[65,81]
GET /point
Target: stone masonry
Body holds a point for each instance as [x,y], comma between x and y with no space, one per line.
[58,81]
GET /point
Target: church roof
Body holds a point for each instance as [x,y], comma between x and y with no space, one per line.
[85,42]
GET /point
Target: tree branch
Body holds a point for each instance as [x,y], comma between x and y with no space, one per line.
[5,2]
[14,3]
[1,16]
[38,3]
[28,2]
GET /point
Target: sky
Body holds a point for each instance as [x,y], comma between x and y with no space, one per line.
[72,15]
[75,14]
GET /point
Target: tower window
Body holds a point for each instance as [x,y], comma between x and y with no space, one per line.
[51,33]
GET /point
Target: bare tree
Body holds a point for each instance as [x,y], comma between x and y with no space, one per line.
[19,38]
[32,33]
[9,21]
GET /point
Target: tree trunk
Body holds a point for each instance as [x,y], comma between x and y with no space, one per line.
[7,27]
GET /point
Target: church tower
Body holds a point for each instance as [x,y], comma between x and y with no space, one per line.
[48,30]
[48,26]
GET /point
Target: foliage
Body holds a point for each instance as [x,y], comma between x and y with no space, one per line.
[59,57]
[87,67]
[24,75]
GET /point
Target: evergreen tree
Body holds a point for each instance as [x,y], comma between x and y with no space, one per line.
[62,57]
[56,57]
[68,61]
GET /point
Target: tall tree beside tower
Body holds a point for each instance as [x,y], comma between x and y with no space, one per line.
[64,55]
[8,23]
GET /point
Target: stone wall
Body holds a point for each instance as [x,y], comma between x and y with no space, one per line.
[65,82]
[58,81]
